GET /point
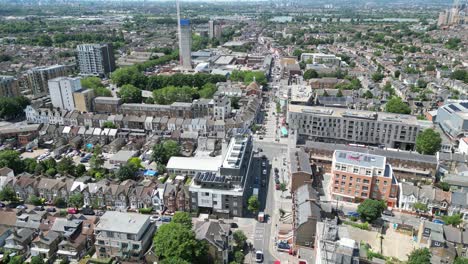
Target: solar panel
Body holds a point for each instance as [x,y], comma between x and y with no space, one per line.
[454,108]
[464,104]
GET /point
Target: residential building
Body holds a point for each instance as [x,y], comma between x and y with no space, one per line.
[19,241]
[306,214]
[9,86]
[46,246]
[221,106]
[84,100]
[185,43]
[36,79]
[61,92]
[320,58]
[337,125]
[358,176]
[453,119]
[95,59]
[124,235]
[214,29]
[107,104]
[223,193]
[218,236]
[300,169]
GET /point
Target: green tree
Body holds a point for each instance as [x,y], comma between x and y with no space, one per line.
[170,94]
[130,94]
[66,166]
[183,218]
[239,238]
[239,257]
[76,200]
[12,160]
[339,93]
[461,75]
[419,256]
[95,84]
[370,209]
[397,74]
[36,260]
[368,95]
[397,106]
[460,260]
[377,77]
[16,260]
[135,162]
[30,165]
[253,205]
[34,200]
[126,172]
[428,142]
[420,207]
[163,151]
[8,194]
[108,124]
[208,90]
[174,260]
[60,202]
[96,160]
[309,74]
[453,220]
[175,240]
[80,170]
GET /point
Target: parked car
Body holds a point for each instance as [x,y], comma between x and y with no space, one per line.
[155,218]
[166,219]
[388,213]
[259,256]
[264,172]
[438,221]
[263,164]
[2,205]
[51,210]
[72,211]
[352,214]
[39,208]
[21,207]
[277,181]
[88,211]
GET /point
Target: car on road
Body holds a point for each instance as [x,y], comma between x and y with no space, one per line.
[259,256]
[166,219]
[388,213]
[21,207]
[438,221]
[72,211]
[155,218]
[264,172]
[277,181]
[263,164]
[352,214]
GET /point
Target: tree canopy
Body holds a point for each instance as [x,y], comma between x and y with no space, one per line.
[253,205]
[130,94]
[76,200]
[12,160]
[397,106]
[428,142]
[183,218]
[8,194]
[309,74]
[370,209]
[95,83]
[453,220]
[419,256]
[12,107]
[249,76]
[163,151]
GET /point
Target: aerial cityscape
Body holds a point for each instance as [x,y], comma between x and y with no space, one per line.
[231,132]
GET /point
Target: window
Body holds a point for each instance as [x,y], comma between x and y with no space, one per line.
[110,234]
[343,168]
[207,194]
[343,177]
[337,167]
[356,193]
[350,178]
[358,180]
[124,245]
[385,183]
[343,183]
[368,172]
[365,188]
[234,212]
[357,187]
[214,195]
[355,170]
[337,182]
[342,190]
[366,181]
[377,181]
[364,194]
[135,247]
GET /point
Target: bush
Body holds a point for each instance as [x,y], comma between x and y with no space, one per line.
[145,210]
[363,226]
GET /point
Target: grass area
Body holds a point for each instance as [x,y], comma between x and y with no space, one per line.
[363,226]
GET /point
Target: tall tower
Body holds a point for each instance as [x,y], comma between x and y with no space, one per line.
[185,40]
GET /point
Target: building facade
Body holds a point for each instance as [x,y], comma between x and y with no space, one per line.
[61,91]
[36,79]
[84,100]
[95,59]
[9,86]
[337,125]
[358,176]
[185,44]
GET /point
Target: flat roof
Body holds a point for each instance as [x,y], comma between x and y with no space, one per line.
[129,223]
[195,164]
[359,159]
[123,155]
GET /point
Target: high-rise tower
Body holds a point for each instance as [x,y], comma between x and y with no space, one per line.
[185,40]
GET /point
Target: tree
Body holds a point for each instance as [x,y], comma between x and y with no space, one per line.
[76,200]
[66,165]
[368,95]
[30,165]
[420,207]
[37,260]
[370,209]
[419,256]
[253,205]
[135,162]
[239,257]
[460,260]
[339,93]
[108,124]
[453,220]
[12,160]
[428,142]
[309,74]
[175,240]
[239,238]
[174,260]
[16,260]
[33,199]
[461,75]
[208,90]
[377,77]
[95,84]
[96,160]
[444,186]
[8,194]
[60,202]
[397,74]
[183,218]
[126,172]
[80,169]
[397,106]
[130,94]
[163,151]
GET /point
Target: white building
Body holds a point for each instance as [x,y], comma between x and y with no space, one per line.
[61,91]
[321,58]
[221,107]
[463,146]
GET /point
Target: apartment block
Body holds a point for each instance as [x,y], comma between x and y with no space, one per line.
[453,119]
[338,125]
[185,45]
[36,79]
[84,100]
[95,59]
[9,86]
[124,235]
[321,58]
[61,91]
[358,176]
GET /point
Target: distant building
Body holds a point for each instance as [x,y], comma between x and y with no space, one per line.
[61,91]
[36,79]
[95,59]
[222,106]
[456,15]
[321,58]
[358,176]
[453,119]
[84,100]
[185,44]
[214,29]
[9,86]
[123,235]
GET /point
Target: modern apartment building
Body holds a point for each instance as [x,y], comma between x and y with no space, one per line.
[453,119]
[359,176]
[95,59]
[185,44]
[338,125]
[61,91]
[224,192]
[36,79]
[84,100]
[124,235]
[321,58]
[9,86]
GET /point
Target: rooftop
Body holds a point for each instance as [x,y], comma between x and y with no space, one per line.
[359,159]
[194,163]
[235,152]
[129,223]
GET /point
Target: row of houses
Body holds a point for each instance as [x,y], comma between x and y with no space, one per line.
[162,197]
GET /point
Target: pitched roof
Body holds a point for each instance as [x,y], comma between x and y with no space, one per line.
[214,232]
